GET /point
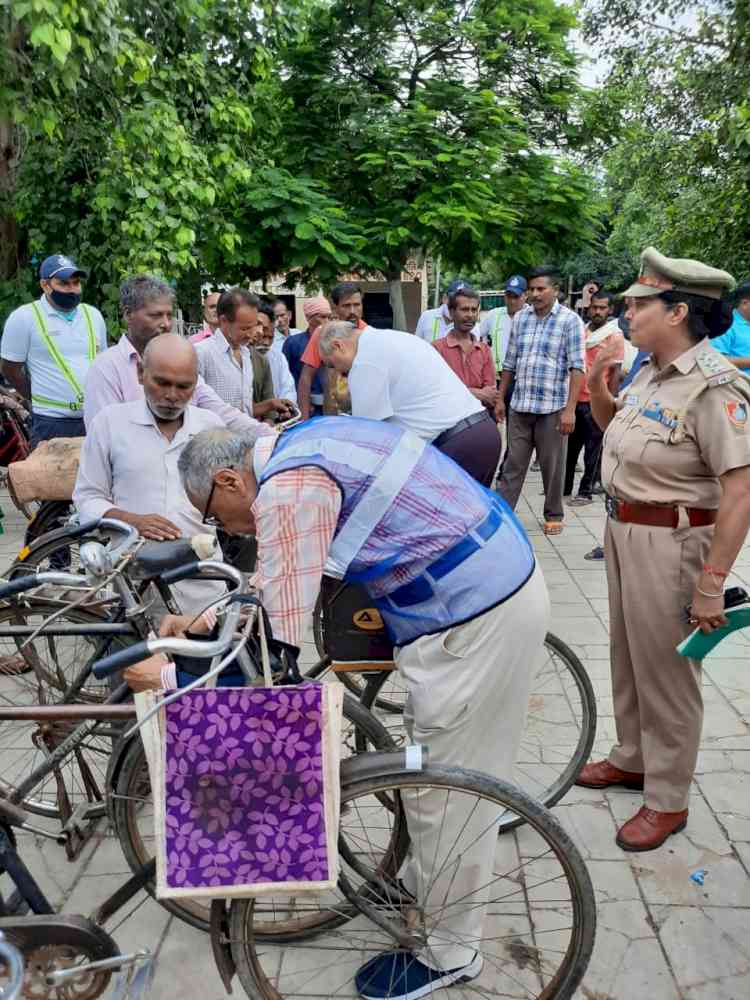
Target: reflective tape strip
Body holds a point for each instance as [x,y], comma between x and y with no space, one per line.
[376,501]
[60,361]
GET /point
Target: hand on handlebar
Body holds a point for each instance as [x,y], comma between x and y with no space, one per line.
[155,527]
[176,626]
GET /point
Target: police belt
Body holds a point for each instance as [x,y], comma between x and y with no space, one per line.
[656,516]
[462,425]
[420,589]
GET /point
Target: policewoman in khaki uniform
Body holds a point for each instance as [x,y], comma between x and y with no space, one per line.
[676,470]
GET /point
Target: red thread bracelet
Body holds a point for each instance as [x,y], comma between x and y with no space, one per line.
[715,572]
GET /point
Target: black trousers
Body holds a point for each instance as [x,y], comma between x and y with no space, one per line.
[586,436]
[476,450]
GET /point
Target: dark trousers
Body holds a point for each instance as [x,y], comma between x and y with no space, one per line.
[508,397]
[46,428]
[529,431]
[476,450]
[586,436]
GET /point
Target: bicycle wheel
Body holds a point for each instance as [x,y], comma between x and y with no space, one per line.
[51,549]
[53,662]
[530,912]
[560,723]
[133,818]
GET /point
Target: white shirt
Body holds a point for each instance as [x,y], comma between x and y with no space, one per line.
[22,343]
[283,383]
[232,381]
[279,338]
[127,462]
[433,324]
[436,323]
[398,377]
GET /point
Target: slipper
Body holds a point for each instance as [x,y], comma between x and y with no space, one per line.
[579,501]
[553,527]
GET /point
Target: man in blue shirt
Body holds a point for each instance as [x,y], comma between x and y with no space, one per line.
[735,343]
[317,312]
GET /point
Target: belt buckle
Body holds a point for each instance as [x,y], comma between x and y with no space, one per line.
[612,506]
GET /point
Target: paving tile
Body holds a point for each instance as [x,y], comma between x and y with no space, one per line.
[708,950]
[660,936]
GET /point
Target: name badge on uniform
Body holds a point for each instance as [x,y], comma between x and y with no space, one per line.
[662,415]
[632,399]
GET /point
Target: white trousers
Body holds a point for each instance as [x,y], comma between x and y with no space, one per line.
[468,692]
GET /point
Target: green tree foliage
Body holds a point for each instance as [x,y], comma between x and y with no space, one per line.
[676,105]
[144,138]
[435,122]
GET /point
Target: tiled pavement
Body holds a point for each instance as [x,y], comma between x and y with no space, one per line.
[660,935]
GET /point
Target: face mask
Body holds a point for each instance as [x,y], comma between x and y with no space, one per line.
[65,301]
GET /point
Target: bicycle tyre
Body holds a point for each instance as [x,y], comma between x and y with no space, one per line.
[131,790]
[587,732]
[39,685]
[568,976]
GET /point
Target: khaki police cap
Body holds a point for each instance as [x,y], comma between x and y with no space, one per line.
[662,274]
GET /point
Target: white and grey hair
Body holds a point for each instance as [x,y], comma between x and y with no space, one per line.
[337,330]
[141,289]
[208,452]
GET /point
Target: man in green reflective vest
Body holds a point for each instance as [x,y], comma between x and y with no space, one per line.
[48,347]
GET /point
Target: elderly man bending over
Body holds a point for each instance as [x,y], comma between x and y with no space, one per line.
[453,575]
[128,467]
[397,377]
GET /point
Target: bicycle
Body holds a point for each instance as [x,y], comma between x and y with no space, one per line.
[351,641]
[284,947]
[561,722]
[99,765]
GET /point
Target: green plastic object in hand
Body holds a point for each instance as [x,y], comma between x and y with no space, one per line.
[699,644]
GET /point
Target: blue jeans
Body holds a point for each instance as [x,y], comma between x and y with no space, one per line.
[45,428]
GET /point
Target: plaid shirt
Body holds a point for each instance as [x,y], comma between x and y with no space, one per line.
[231,381]
[296,514]
[542,353]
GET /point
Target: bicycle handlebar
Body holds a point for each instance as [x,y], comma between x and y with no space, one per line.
[174,646]
[19,586]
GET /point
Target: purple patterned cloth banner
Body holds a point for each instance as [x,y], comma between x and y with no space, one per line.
[244,789]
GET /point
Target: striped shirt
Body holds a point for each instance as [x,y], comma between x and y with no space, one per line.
[231,380]
[541,353]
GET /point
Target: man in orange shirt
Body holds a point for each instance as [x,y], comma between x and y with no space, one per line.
[347,305]
[601,332]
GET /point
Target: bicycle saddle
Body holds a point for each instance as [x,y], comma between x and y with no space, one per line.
[156,558]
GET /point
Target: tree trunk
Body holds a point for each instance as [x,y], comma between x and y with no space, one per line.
[396,295]
[8,231]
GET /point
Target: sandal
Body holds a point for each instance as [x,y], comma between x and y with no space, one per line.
[553,527]
[579,501]
[595,553]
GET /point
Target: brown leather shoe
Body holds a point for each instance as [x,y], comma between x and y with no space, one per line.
[602,774]
[649,829]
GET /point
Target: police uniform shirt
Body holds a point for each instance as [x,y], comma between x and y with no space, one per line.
[677,430]
[22,343]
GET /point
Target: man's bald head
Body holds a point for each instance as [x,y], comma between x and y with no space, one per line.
[172,349]
[168,372]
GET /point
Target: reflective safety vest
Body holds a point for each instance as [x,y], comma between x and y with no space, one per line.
[60,361]
[430,545]
[496,338]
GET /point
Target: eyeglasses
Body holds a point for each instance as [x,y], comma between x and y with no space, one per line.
[211,520]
